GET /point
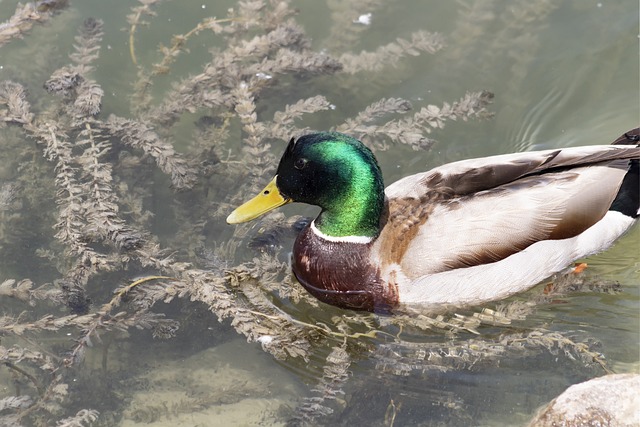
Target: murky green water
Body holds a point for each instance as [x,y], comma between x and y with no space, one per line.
[563,74]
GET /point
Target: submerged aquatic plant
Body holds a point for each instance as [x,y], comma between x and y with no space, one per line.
[106,266]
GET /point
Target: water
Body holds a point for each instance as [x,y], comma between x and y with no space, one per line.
[563,74]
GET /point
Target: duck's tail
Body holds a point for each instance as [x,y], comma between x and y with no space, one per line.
[627,200]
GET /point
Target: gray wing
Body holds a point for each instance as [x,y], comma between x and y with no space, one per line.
[484,210]
[470,176]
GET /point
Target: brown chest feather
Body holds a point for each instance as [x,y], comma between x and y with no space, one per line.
[340,274]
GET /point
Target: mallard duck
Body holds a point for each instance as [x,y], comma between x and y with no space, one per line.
[460,234]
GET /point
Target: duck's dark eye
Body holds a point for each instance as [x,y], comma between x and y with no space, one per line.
[300,163]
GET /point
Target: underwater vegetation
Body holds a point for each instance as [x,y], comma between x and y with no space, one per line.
[86,265]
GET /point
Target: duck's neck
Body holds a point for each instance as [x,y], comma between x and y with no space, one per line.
[354,210]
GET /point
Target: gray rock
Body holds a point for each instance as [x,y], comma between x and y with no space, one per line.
[611,400]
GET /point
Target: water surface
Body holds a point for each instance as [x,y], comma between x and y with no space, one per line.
[563,74]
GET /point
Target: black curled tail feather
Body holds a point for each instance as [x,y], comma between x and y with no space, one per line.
[627,200]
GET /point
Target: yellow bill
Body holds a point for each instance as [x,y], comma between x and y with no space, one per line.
[269,198]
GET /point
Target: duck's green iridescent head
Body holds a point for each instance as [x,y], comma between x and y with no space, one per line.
[330,170]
